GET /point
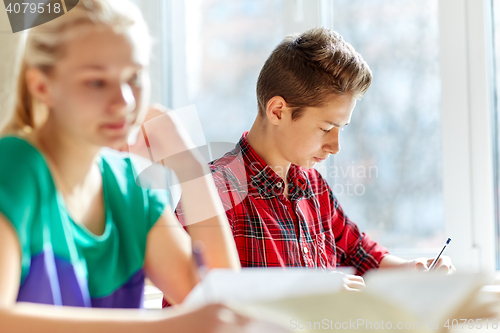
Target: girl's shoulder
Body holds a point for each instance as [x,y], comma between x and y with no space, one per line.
[117,166]
[24,180]
[19,148]
[131,168]
[135,185]
[18,156]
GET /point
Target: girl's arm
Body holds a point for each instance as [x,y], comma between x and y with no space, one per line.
[24,317]
[169,263]
[165,139]
[206,219]
[28,317]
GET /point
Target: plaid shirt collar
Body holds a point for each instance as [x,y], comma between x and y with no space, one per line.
[266,182]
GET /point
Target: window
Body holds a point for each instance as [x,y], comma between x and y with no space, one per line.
[496,143]
[387,176]
[420,143]
[226,44]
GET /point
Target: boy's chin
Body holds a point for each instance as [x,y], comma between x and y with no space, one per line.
[307,164]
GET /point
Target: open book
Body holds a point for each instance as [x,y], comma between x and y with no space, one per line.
[308,300]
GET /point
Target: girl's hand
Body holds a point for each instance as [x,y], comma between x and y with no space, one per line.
[217,318]
[162,138]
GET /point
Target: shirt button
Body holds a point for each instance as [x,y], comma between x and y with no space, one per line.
[305,249]
[279,185]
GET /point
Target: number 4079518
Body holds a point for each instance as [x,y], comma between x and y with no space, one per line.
[471,323]
[26,7]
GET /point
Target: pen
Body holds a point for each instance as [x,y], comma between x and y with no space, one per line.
[434,262]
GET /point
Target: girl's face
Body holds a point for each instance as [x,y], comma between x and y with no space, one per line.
[99,89]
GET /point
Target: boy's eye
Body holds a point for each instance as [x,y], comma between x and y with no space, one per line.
[328,130]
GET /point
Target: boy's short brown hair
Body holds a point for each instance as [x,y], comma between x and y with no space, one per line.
[306,69]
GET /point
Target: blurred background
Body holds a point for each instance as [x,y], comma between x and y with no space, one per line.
[388,174]
[419,161]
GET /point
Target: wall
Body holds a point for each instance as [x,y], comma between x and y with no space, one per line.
[8,59]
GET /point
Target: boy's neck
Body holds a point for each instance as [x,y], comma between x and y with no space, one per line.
[262,139]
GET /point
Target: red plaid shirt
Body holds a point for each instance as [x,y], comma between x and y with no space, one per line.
[309,229]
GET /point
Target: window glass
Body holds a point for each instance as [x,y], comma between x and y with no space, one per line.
[388,175]
[226,45]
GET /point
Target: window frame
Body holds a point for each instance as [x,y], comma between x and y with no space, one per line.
[467,132]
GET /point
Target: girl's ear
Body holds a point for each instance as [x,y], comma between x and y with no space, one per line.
[276,110]
[38,86]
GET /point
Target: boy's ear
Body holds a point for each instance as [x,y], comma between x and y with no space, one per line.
[276,109]
[38,85]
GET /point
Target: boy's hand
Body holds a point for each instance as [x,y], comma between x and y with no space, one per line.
[351,282]
[354,283]
[443,265]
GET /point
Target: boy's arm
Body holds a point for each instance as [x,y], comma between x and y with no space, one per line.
[358,251]
[420,264]
[354,248]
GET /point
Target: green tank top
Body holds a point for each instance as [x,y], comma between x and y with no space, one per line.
[62,262]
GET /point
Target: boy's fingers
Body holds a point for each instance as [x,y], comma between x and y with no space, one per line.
[350,289]
[355,278]
[446,267]
[442,269]
[354,282]
[421,266]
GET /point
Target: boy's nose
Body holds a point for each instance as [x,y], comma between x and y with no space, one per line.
[332,148]
[333,144]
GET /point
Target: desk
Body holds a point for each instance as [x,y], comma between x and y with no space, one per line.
[152,297]
[488,295]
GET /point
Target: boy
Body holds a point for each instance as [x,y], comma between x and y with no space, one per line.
[281,211]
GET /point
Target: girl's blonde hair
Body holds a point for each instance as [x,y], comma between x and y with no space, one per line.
[45,45]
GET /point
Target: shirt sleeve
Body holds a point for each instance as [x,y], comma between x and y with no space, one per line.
[153,182]
[354,248]
[158,200]
[19,188]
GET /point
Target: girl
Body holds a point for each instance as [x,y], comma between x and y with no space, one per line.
[75,229]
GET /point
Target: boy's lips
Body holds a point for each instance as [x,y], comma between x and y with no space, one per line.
[317,159]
